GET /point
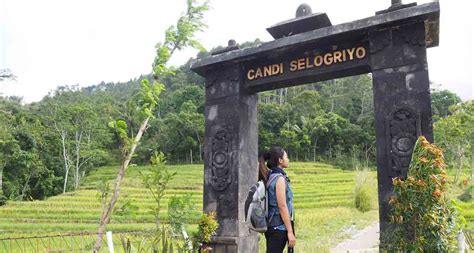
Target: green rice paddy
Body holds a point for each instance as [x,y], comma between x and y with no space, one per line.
[323,201]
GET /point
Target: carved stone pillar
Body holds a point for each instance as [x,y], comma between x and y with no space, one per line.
[230,157]
[402,104]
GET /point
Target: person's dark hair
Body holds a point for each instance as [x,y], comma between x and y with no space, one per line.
[271,158]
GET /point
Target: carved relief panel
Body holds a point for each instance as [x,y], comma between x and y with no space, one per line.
[221,175]
[403,128]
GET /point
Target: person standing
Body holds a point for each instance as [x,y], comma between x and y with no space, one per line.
[280,231]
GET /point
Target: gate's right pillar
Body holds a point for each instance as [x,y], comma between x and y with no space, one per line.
[402,105]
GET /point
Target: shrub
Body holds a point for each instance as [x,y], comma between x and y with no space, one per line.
[207,226]
[363,199]
[364,193]
[422,218]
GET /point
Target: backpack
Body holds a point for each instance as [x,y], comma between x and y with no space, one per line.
[256,205]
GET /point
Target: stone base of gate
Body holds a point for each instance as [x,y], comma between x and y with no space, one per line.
[221,244]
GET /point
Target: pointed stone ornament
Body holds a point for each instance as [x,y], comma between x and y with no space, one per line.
[396,5]
[304,21]
[231,45]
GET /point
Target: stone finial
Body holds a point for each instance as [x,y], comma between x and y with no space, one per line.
[231,43]
[304,21]
[396,2]
[396,5]
[303,10]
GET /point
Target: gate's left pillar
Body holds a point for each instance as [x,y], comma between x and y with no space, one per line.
[230,157]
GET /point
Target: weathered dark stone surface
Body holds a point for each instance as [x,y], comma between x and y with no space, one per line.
[230,157]
[395,43]
[402,105]
[244,244]
[428,12]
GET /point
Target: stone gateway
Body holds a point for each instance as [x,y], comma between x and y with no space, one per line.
[391,45]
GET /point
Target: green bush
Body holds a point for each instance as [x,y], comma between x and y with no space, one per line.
[423,218]
[207,227]
[364,192]
[363,199]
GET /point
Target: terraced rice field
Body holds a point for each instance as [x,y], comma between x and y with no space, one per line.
[323,200]
[315,186]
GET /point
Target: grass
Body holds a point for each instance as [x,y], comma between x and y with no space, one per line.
[323,201]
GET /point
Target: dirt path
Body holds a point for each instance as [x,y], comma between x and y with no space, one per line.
[366,240]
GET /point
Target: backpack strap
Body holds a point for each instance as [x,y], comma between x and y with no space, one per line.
[271,178]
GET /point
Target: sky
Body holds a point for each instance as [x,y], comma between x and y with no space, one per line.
[52,43]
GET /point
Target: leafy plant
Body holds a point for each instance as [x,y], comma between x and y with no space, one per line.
[162,239]
[103,188]
[126,208]
[174,233]
[207,226]
[423,218]
[179,213]
[157,182]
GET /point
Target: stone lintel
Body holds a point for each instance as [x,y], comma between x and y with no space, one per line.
[427,13]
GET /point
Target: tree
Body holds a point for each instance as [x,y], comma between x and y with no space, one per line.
[441,101]
[271,119]
[182,130]
[455,134]
[306,103]
[352,99]
[193,124]
[337,126]
[307,131]
[290,138]
[146,99]
[73,119]
[25,175]
[6,140]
